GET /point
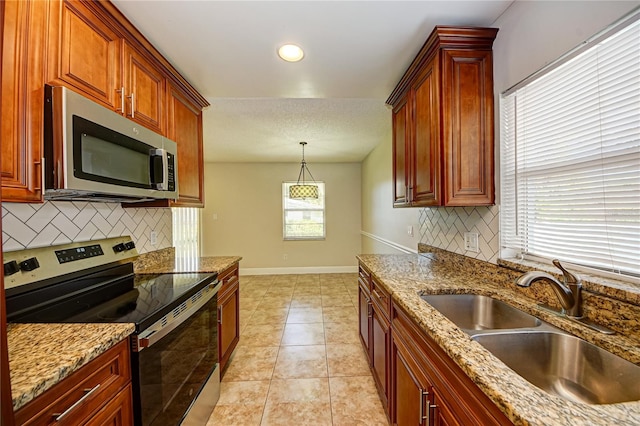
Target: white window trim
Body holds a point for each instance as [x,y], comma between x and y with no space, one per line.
[323,210]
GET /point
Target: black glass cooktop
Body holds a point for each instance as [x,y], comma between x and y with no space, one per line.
[138,299]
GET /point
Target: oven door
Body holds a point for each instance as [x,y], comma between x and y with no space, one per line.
[174,363]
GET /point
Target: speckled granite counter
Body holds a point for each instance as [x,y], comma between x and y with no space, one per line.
[165,262]
[405,276]
[41,355]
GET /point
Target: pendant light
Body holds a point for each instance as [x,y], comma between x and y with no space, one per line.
[303,190]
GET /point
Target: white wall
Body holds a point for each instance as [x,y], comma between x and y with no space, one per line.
[532,34]
[247,201]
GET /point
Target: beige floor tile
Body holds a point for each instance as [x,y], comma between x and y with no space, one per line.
[312,302]
[301,361]
[347,360]
[304,315]
[340,314]
[249,303]
[341,299]
[269,316]
[236,415]
[297,413]
[253,292]
[251,363]
[341,332]
[299,390]
[307,291]
[274,302]
[366,409]
[256,334]
[279,291]
[245,393]
[303,334]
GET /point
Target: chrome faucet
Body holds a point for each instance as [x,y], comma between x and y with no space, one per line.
[569,292]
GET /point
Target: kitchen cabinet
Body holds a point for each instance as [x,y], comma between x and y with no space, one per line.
[85,54]
[443,124]
[184,127]
[98,393]
[144,88]
[22,102]
[427,386]
[228,315]
[374,330]
[93,49]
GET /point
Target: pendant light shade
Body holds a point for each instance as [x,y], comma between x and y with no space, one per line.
[303,190]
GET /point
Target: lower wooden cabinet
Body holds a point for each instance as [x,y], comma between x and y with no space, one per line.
[228,315]
[97,394]
[427,387]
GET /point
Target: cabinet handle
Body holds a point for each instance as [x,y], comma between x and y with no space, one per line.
[378,295]
[369,306]
[424,394]
[220,315]
[58,417]
[41,182]
[121,91]
[133,104]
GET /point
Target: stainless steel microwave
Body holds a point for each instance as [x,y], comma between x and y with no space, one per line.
[95,154]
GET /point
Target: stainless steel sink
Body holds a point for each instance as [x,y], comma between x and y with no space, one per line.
[566,366]
[474,312]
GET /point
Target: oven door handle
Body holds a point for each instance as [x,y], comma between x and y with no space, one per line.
[147,340]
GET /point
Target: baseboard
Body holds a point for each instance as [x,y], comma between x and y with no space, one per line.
[396,246]
[299,270]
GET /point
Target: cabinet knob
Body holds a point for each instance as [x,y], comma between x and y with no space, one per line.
[11,268]
[29,264]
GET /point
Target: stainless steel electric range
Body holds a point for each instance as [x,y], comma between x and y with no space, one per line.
[176,378]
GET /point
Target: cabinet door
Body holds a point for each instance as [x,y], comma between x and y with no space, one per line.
[379,353]
[410,390]
[85,54]
[184,126]
[425,144]
[440,412]
[467,108]
[364,315]
[22,102]
[401,170]
[228,325]
[144,90]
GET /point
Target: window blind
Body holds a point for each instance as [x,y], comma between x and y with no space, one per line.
[186,237]
[571,159]
[303,219]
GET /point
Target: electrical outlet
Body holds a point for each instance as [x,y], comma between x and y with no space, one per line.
[410,231]
[285,256]
[153,238]
[471,241]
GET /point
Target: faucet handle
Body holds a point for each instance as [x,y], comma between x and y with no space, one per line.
[569,278]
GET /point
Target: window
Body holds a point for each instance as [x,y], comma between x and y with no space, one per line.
[186,237]
[571,157]
[303,219]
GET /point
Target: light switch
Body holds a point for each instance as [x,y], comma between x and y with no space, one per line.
[471,241]
[410,230]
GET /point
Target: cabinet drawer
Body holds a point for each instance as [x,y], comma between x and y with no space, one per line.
[380,297]
[364,277]
[79,396]
[228,278]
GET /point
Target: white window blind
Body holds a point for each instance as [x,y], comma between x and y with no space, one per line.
[571,159]
[303,219]
[186,237]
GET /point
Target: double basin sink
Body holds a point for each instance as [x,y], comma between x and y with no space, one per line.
[547,357]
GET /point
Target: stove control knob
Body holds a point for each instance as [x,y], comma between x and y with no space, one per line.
[119,247]
[11,268]
[130,245]
[29,264]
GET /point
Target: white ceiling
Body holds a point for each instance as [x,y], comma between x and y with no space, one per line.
[355,53]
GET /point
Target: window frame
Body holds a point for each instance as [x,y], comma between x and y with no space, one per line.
[323,209]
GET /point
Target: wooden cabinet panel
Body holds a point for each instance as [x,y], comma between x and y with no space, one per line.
[85,54]
[425,154]
[144,90]
[118,412]
[409,389]
[364,315]
[400,165]
[90,387]
[379,355]
[443,110]
[22,103]
[184,126]
[228,315]
[468,127]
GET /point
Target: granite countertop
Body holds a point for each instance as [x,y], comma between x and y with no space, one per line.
[165,262]
[406,276]
[41,355]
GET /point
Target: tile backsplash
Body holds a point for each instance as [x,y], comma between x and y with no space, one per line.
[444,227]
[59,222]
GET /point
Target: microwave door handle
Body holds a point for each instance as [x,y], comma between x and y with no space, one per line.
[159,169]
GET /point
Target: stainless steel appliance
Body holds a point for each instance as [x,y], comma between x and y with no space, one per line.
[176,376]
[95,154]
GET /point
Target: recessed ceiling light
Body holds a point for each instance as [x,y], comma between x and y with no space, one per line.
[291,53]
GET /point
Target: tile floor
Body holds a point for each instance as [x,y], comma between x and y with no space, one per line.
[299,360]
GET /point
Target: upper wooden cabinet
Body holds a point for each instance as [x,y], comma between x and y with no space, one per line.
[443,147]
[90,47]
[86,54]
[144,88]
[184,127]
